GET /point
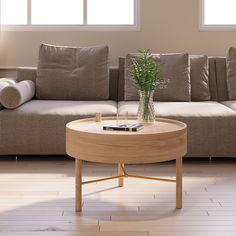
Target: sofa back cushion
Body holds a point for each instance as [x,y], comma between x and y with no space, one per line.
[202,76]
[30,73]
[221,79]
[175,69]
[212,79]
[199,78]
[231,73]
[72,73]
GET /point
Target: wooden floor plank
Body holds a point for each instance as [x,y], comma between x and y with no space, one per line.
[73,233]
[37,199]
[43,228]
[223,233]
[173,228]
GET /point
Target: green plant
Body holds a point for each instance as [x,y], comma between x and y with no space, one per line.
[145,72]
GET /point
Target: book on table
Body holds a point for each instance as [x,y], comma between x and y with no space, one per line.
[124,127]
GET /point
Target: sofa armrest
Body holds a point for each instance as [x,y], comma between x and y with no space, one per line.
[26,73]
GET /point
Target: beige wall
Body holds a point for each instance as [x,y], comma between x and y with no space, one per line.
[166,26]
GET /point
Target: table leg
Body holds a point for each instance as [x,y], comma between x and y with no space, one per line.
[121,172]
[78,185]
[179,163]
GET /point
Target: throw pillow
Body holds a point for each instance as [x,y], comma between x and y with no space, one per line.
[199,78]
[231,73]
[175,70]
[72,73]
[15,95]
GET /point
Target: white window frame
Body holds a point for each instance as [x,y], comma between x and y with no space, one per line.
[207,27]
[82,27]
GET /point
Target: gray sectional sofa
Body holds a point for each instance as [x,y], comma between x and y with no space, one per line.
[38,126]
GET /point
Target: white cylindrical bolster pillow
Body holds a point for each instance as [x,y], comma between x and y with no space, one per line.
[4,82]
[10,81]
[15,95]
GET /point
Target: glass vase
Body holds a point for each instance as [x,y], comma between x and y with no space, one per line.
[146,111]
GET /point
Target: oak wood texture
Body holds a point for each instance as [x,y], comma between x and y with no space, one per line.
[162,141]
[179,190]
[121,172]
[78,184]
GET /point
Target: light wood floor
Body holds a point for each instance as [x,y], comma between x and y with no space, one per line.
[37,198]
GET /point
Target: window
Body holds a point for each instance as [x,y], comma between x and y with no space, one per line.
[218,15]
[69,15]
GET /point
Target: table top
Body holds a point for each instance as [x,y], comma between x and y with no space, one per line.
[159,127]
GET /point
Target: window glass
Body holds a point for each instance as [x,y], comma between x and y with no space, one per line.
[110,12]
[13,12]
[219,12]
[56,12]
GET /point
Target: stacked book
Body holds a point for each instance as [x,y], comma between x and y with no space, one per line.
[124,127]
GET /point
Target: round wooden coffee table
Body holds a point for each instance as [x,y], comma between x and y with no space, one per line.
[162,141]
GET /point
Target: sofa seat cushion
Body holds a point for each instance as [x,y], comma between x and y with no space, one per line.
[38,127]
[179,109]
[208,124]
[230,104]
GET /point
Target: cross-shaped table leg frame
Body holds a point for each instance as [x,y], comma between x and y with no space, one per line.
[123,174]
